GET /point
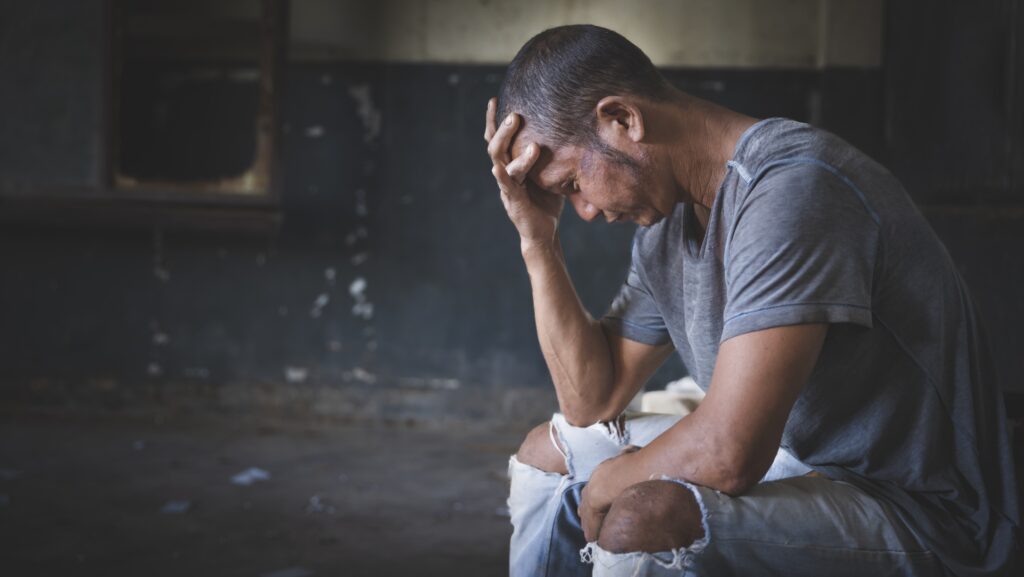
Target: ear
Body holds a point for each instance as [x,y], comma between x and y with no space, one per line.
[619,119]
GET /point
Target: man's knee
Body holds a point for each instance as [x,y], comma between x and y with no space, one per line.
[539,451]
[652,516]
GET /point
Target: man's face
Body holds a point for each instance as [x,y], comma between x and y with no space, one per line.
[606,184]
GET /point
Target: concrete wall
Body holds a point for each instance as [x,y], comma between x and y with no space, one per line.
[386,183]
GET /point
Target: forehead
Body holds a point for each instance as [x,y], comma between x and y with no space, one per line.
[556,163]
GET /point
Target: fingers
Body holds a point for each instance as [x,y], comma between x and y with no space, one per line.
[591,522]
[507,186]
[521,165]
[489,127]
[498,148]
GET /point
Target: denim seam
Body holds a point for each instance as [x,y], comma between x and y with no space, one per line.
[923,552]
[552,537]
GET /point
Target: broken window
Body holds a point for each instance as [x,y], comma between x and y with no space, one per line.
[194,95]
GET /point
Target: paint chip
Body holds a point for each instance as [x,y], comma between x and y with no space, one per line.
[296,375]
[358,288]
[363,310]
[362,375]
[250,476]
[318,305]
[367,112]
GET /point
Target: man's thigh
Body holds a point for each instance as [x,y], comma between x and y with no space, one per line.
[793,526]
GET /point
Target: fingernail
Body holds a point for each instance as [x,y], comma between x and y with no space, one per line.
[508,120]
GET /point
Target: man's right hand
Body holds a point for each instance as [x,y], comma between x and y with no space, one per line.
[533,211]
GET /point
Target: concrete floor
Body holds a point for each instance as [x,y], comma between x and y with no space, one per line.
[81,494]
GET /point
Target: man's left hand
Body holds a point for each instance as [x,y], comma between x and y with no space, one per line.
[607,482]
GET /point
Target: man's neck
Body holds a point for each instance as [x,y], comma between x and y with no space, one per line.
[706,139]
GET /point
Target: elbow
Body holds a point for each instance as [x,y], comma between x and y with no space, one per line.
[585,415]
[582,417]
[736,484]
[738,475]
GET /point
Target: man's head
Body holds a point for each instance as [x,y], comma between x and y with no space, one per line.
[579,91]
[559,76]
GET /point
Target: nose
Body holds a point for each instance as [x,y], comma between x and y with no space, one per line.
[587,211]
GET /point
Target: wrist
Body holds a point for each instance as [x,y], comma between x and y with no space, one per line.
[614,476]
[531,248]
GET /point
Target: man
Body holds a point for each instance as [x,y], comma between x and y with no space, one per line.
[805,294]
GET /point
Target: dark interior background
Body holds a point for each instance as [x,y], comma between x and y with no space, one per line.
[386,200]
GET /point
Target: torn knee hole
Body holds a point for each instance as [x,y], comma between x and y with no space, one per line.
[542,450]
[652,516]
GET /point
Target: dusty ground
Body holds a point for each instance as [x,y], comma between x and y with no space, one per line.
[82,495]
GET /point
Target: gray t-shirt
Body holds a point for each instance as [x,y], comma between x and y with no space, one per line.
[903,401]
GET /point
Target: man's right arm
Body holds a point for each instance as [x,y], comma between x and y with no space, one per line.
[595,372]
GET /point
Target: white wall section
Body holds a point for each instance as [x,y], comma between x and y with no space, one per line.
[680,33]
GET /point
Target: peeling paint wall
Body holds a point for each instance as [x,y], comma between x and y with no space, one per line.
[394,285]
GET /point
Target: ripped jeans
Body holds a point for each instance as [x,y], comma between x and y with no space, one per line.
[789,524]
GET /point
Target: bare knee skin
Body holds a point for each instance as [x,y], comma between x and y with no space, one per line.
[651,516]
[538,451]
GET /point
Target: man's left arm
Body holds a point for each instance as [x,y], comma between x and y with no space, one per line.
[731,440]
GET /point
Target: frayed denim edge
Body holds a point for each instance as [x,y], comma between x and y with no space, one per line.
[681,557]
[556,424]
[700,544]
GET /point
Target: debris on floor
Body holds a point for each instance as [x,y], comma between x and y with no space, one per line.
[341,499]
[176,507]
[250,476]
[318,504]
[9,474]
[289,572]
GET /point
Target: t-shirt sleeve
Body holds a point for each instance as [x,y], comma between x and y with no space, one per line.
[634,314]
[802,250]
